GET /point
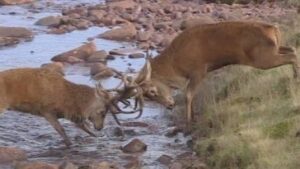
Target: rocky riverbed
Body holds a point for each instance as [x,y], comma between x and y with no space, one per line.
[82,40]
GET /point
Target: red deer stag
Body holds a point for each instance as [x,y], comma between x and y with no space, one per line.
[205,48]
[46,93]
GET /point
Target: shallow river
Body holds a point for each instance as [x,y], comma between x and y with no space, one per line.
[39,139]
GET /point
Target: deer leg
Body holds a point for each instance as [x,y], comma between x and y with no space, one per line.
[85,128]
[56,125]
[191,91]
[267,61]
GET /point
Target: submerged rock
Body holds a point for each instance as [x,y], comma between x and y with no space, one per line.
[10,154]
[165,159]
[135,146]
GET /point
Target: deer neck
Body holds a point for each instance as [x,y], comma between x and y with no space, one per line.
[164,71]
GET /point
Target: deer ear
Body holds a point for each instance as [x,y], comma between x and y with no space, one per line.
[145,74]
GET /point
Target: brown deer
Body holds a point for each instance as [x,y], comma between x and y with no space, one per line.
[205,48]
[46,93]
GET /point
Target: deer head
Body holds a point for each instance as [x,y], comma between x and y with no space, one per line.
[153,88]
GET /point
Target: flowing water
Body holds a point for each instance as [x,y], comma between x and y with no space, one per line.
[38,138]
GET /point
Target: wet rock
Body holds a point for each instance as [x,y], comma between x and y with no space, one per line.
[76,55]
[136,55]
[8,41]
[10,154]
[57,31]
[135,164]
[130,132]
[49,21]
[16,32]
[135,124]
[135,146]
[125,32]
[98,56]
[173,131]
[123,4]
[14,2]
[189,23]
[114,132]
[103,165]
[35,165]
[99,71]
[176,165]
[165,159]
[67,165]
[96,68]
[123,51]
[55,66]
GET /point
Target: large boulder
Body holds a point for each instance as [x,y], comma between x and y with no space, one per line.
[125,32]
[16,32]
[10,154]
[14,2]
[76,55]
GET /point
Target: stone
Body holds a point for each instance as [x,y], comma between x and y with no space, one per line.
[10,154]
[125,32]
[136,55]
[76,55]
[98,56]
[103,165]
[16,32]
[8,41]
[99,71]
[135,146]
[134,164]
[14,2]
[49,21]
[96,68]
[114,132]
[123,51]
[35,165]
[189,23]
[123,4]
[165,159]
[176,165]
[143,36]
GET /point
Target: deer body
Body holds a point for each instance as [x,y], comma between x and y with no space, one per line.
[46,93]
[205,48]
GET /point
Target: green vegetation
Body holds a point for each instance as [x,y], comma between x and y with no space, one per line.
[249,118]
